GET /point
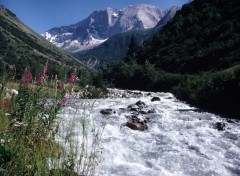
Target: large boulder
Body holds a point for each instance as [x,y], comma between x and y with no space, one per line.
[156,99]
[134,125]
[137,122]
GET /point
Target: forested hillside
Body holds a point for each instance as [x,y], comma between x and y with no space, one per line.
[204,36]
[114,48]
[196,56]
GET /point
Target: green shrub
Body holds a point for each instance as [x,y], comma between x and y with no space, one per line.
[5,156]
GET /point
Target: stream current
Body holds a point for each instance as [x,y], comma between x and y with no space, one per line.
[180,140]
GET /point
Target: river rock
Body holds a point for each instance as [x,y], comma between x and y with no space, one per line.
[136,125]
[220,126]
[140,103]
[138,93]
[133,107]
[107,111]
[147,110]
[155,99]
[133,116]
[141,107]
[124,95]
[230,121]
[137,118]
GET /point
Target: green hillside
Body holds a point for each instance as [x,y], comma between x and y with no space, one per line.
[22,48]
[203,36]
[196,56]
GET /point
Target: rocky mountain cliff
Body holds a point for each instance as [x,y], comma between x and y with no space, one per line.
[101,25]
[115,48]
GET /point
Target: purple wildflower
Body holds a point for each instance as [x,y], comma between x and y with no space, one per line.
[24,81]
[72,77]
[45,69]
[26,78]
[63,101]
[29,75]
[40,79]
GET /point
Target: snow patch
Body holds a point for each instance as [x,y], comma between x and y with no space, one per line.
[131,17]
[91,21]
[115,14]
[76,46]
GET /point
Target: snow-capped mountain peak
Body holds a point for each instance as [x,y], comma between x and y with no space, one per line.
[102,24]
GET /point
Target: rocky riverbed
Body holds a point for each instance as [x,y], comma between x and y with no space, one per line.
[151,134]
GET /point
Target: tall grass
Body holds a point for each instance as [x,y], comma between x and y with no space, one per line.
[32,138]
[79,134]
[3,80]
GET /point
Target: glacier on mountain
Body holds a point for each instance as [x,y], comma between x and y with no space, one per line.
[102,24]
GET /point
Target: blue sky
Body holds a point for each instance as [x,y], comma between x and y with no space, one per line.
[42,15]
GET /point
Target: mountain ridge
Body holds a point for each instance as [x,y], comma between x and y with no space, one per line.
[102,24]
[115,48]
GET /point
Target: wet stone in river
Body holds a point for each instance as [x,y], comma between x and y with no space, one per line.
[107,111]
[134,125]
[220,126]
[155,99]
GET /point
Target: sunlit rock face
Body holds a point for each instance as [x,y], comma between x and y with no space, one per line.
[102,24]
[180,139]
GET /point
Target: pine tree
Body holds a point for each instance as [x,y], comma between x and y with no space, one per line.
[131,49]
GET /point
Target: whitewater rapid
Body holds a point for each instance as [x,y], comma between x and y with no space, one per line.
[180,139]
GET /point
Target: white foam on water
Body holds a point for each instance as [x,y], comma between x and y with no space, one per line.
[179,141]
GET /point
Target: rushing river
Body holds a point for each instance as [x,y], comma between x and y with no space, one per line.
[180,139]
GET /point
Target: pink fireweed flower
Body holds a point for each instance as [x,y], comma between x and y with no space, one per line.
[28,75]
[63,101]
[26,78]
[24,81]
[40,79]
[72,77]
[45,69]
